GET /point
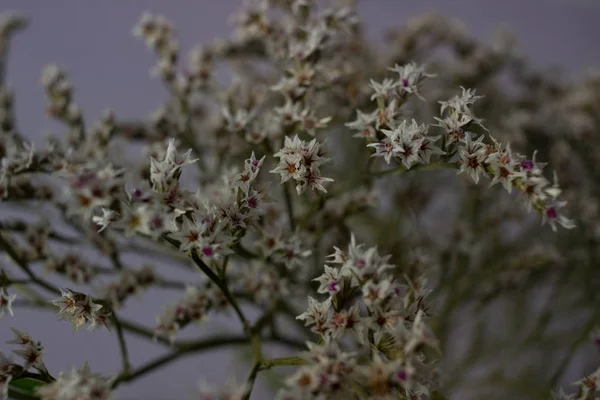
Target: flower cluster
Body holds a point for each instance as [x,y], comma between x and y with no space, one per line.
[59,93]
[260,280]
[72,266]
[80,384]
[192,307]
[588,388]
[158,35]
[497,162]
[128,283]
[79,309]
[198,198]
[394,138]
[32,354]
[394,326]
[330,375]
[300,161]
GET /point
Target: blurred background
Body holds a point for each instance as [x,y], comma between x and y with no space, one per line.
[92,41]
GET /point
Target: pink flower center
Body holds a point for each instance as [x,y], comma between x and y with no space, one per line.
[207,251]
[527,165]
[402,375]
[551,213]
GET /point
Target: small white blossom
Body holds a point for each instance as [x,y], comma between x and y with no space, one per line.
[6,301]
[300,161]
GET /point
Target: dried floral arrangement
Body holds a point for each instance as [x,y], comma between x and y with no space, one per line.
[371,207]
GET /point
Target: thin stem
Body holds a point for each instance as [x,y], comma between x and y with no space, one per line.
[283,361]
[142,331]
[289,205]
[122,343]
[571,352]
[418,167]
[251,379]
[24,266]
[227,293]
[116,260]
[205,344]
[215,279]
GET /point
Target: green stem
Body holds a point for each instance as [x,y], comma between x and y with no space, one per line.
[251,379]
[283,361]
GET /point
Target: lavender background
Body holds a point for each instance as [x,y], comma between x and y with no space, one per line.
[109,68]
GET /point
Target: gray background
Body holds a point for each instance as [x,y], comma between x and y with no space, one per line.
[109,68]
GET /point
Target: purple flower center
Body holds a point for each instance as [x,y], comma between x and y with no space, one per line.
[527,165]
[333,286]
[551,213]
[157,222]
[322,379]
[401,375]
[137,193]
[207,251]
[405,82]
[97,192]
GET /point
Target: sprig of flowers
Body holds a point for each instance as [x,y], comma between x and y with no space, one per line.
[360,279]
[79,309]
[300,161]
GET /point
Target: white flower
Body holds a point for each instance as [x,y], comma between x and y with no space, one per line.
[251,170]
[460,103]
[382,90]
[376,293]
[21,338]
[78,309]
[310,123]
[317,314]
[4,381]
[238,121]
[331,282]
[6,365]
[363,124]
[79,384]
[552,216]
[105,219]
[300,161]
[33,355]
[472,156]
[189,236]
[6,301]
[165,174]
[136,219]
[50,75]
[409,78]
